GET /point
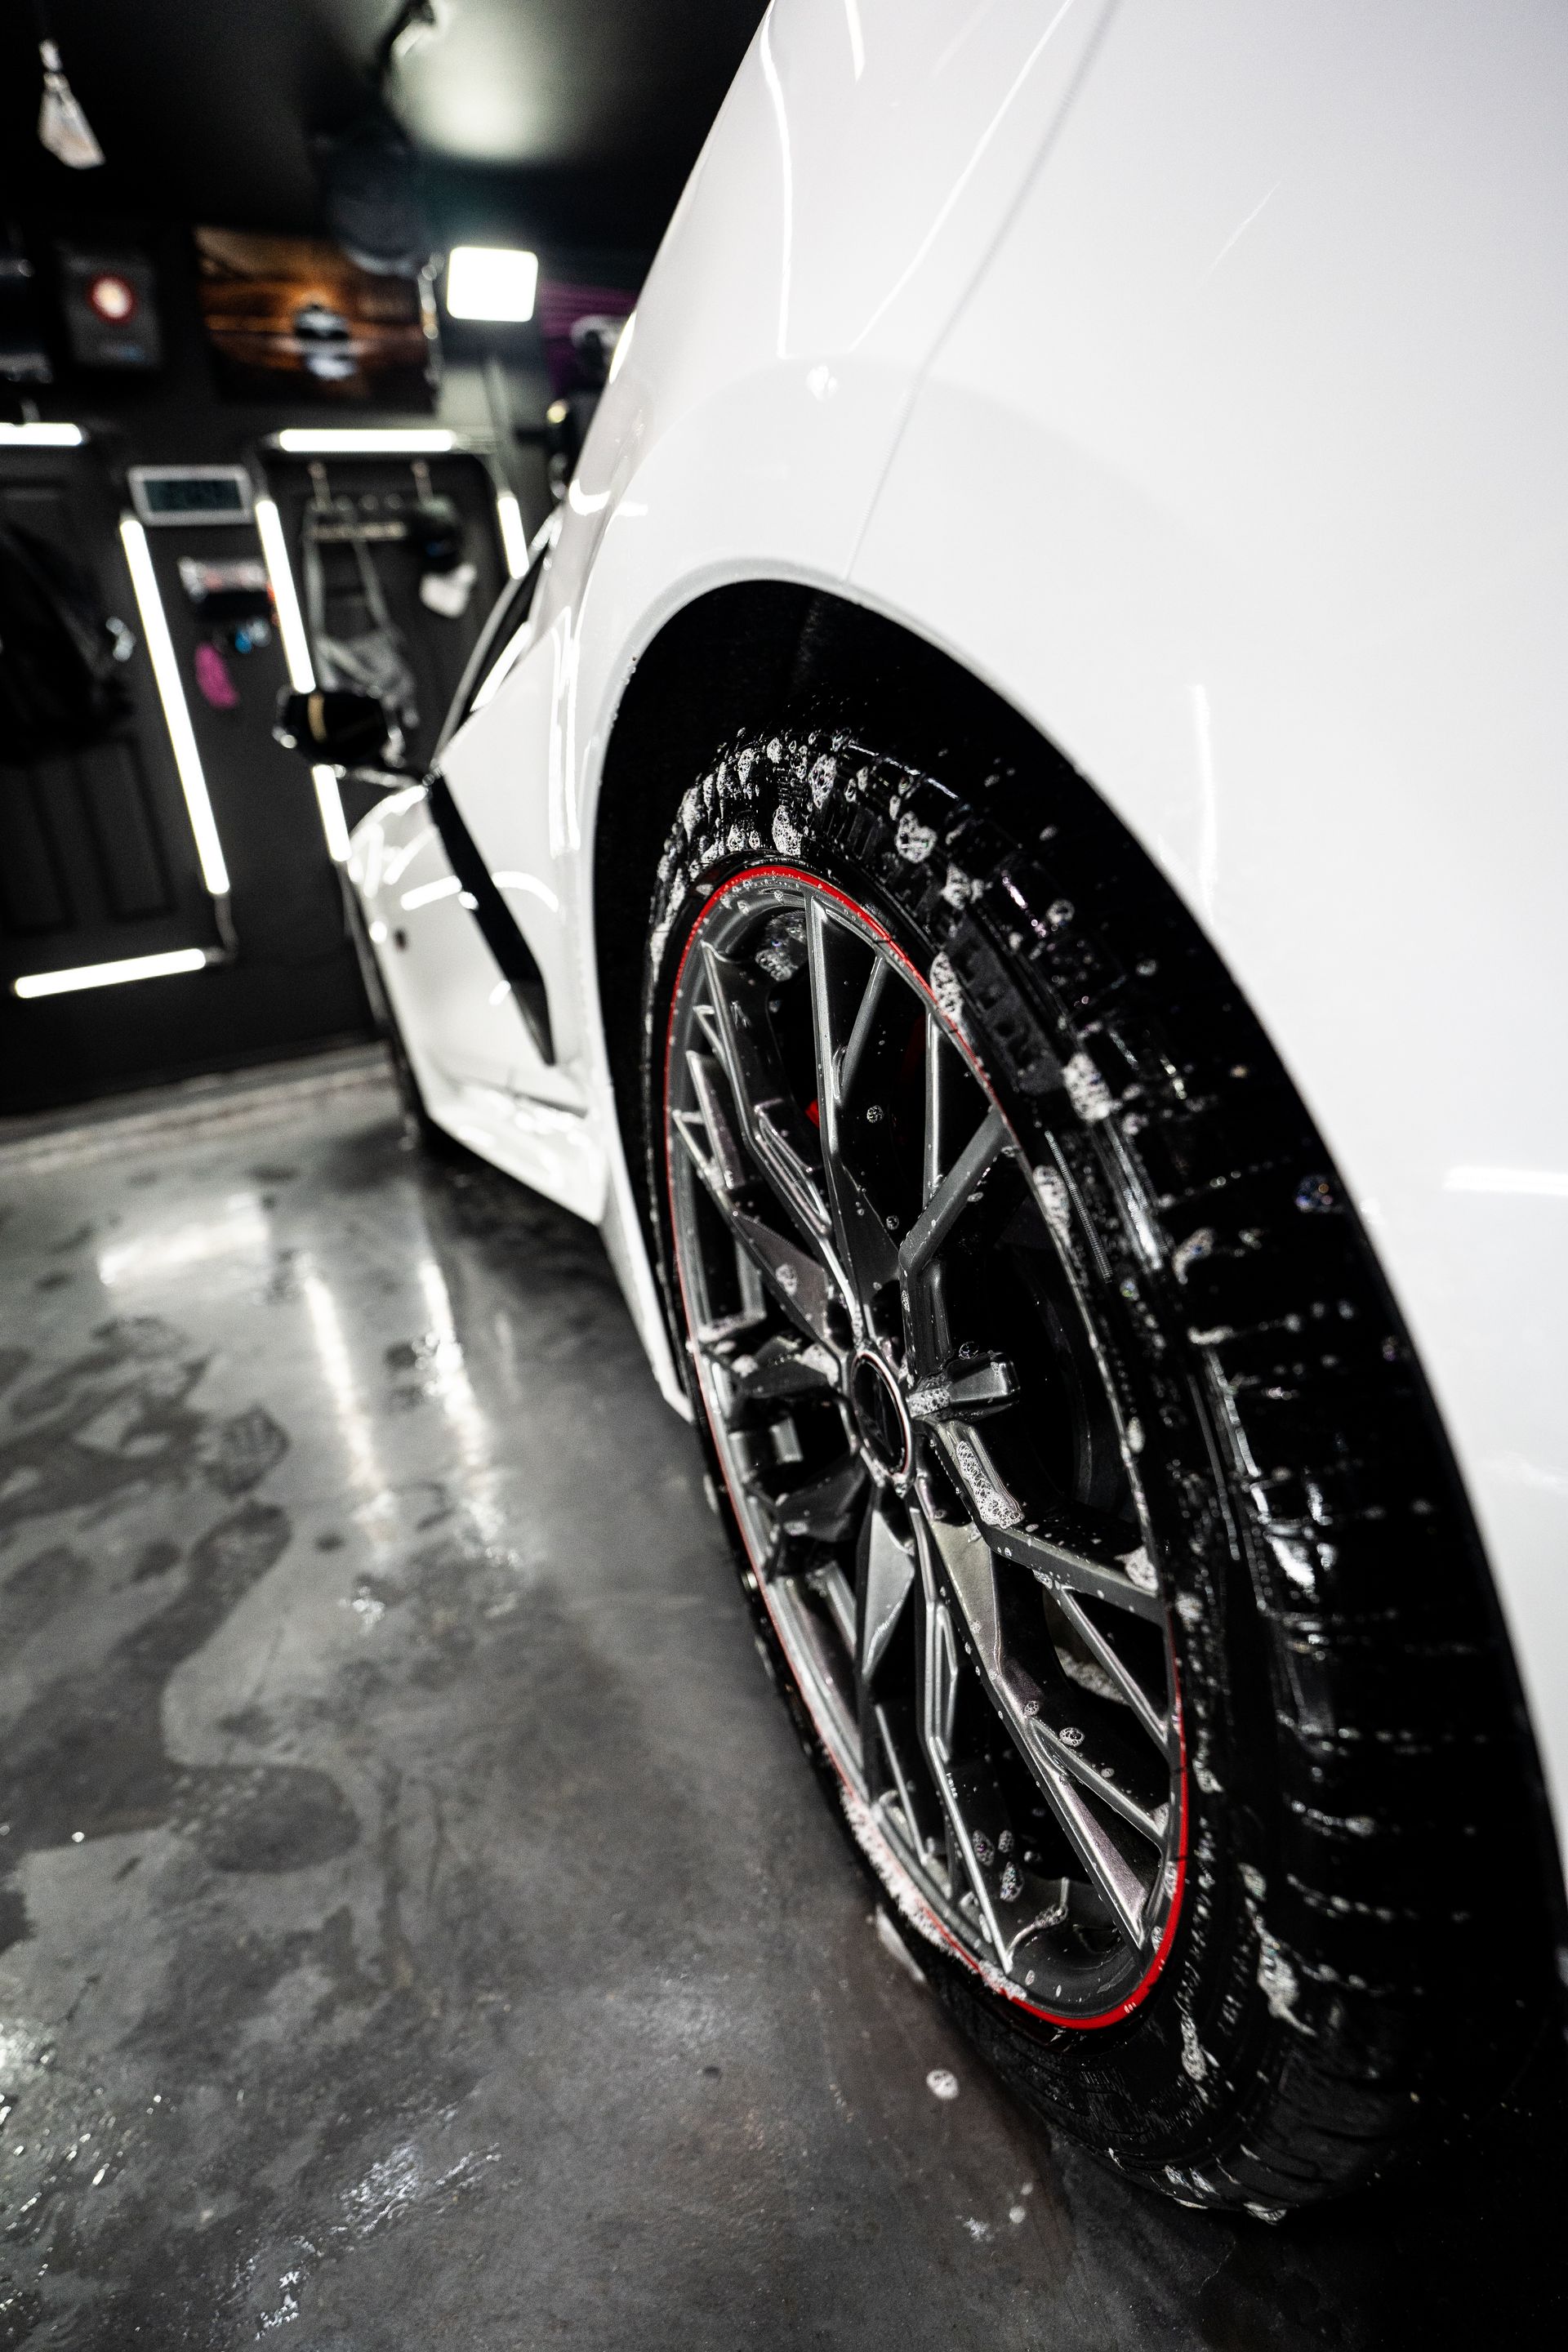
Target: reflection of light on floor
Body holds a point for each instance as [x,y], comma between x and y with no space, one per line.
[337,1369]
[457,1400]
[242,1227]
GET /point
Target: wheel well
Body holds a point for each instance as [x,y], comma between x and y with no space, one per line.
[756,654]
[768,652]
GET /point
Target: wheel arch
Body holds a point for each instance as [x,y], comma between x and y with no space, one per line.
[752,652]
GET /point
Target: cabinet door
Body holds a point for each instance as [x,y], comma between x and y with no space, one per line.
[97,859]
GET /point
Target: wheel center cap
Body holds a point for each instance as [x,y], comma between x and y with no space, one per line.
[879,1416]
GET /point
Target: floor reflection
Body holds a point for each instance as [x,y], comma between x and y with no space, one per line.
[417,1921]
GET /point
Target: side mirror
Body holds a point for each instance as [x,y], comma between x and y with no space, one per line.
[334,727]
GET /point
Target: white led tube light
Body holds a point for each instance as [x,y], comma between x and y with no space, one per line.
[297,660]
[365,441]
[290,620]
[37,435]
[110,975]
[177,714]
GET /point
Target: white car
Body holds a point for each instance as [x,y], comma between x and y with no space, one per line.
[1010,855]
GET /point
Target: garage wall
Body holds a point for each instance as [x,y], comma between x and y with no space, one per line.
[96,856]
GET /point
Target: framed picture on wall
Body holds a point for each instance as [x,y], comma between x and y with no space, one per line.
[293,318]
[109,298]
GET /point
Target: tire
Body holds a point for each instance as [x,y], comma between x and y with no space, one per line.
[1091,1502]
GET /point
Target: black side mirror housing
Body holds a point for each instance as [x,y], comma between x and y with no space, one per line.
[335,727]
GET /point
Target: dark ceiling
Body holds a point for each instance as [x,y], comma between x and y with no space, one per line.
[575,122]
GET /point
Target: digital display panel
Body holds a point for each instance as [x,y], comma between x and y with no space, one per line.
[197,494]
[167,494]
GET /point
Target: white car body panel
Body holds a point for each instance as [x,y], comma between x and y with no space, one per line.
[1196,378]
[478,1069]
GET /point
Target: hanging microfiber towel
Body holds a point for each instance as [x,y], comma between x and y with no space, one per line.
[213,683]
[63,128]
[436,536]
[435,528]
[448,593]
[372,658]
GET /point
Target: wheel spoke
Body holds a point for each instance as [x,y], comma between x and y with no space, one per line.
[735,1022]
[1043,1725]
[830,1583]
[864,1028]
[969,1571]
[992,1500]
[784,1368]
[887,1576]
[961,1390]
[802,1286]
[980,1832]
[904,1786]
[1113,1877]
[822,1508]
[728,1168]
[939,1685]
[865,1248]
[948,1198]
[1158,1726]
[971,1575]
[1081,1736]
[1065,1558]
[937,1109]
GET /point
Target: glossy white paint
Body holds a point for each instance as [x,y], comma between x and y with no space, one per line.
[477,1067]
[1195,377]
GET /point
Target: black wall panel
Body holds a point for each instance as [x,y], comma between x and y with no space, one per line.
[97,860]
[95,849]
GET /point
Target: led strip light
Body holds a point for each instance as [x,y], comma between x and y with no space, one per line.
[110,975]
[188,767]
[366,441]
[41,436]
[297,658]
[176,714]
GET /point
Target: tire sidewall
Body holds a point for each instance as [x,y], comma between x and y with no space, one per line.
[1167,2084]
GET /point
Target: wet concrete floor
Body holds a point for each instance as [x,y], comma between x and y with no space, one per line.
[419,1924]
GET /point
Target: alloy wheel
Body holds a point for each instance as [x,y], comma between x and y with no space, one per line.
[913,1395]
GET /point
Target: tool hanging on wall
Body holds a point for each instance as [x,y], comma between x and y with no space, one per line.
[230,593]
[372,655]
[439,542]
[430,524]
[233,595]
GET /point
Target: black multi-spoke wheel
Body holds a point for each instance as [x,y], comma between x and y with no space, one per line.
[936,1479]
[1079,1469]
